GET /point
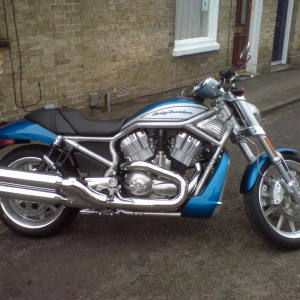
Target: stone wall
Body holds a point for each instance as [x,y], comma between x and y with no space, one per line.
[294,41]
[75,47]
[266,35]
[123,47]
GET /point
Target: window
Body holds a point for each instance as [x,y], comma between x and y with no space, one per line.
[196,26]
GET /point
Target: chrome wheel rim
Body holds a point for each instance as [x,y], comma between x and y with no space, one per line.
[29,214]
[283,218]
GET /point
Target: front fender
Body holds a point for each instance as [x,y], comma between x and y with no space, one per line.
[252,171]
[27,130]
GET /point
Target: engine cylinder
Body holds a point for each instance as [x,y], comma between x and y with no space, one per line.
[186,148]
[136,146]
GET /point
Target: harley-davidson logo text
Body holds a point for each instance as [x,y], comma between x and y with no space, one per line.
[169,112]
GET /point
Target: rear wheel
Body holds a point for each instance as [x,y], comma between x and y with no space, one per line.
[277,223]
[28,218]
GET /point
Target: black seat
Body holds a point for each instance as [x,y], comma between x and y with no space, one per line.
[69,121]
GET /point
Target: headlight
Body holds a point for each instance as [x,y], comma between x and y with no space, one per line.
[208,88]
[255,112]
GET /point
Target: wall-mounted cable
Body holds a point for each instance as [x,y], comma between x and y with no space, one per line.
[20,61]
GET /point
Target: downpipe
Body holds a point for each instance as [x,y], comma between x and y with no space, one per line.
[52,189]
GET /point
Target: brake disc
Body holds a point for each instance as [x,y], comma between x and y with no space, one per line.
[28,208]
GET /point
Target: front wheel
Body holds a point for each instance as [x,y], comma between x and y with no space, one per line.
[277,223]
[30,218]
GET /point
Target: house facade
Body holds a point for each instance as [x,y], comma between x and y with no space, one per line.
[133,49]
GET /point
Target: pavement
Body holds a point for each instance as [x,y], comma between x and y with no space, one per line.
[268,92]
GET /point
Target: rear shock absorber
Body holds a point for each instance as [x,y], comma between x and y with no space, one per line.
[47,158]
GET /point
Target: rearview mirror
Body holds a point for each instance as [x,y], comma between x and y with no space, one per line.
[245,51]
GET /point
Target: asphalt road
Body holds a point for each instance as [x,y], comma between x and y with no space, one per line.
[158,258]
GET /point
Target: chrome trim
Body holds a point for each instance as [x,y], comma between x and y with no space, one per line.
[86,151]
[214,125]
[153,204]
[28,178]
[219,203]
[246,150]
[195,178]
[201,134]
[130,213]
[89,211]
[88,138]
[256,130]
[139,125]
[101,182]
[185,148]
[217,209]
[21,192]
[212,162]
[76,194]
[144,213]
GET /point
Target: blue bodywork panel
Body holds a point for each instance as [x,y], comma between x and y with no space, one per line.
[169,101]
[252,171]
[23,129]
[204,204]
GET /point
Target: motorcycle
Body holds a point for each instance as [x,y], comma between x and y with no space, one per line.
[168,159]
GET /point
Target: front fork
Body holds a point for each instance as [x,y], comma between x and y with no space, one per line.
[289,182]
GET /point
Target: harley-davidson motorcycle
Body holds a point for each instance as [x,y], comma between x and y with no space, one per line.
[169,159]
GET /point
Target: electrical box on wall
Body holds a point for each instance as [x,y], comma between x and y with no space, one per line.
[4,43]
[94,99]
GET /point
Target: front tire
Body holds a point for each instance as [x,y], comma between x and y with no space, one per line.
[277,224]
[27,218]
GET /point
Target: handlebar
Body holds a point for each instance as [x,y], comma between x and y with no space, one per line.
[227,73]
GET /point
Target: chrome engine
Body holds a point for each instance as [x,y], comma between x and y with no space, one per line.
[143,184]
[183,150]
[136,146]
[139,147]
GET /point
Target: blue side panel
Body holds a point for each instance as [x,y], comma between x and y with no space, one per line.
[174,100]
[23,129]
[252,171]
[203,205]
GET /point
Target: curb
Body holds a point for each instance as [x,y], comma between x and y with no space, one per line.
[273,108]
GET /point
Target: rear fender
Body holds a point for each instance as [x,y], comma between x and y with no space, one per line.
[26,130]
[252,171]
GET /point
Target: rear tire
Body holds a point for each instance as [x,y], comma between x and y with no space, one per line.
[34,219]
[277,224]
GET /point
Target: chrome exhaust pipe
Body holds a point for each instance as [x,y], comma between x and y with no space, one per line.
[36,187]
[21,192]
[39,187]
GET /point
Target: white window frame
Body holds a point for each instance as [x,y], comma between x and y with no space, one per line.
[201,44]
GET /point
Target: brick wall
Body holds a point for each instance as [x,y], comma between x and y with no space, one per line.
[266,35]
[294,41]
[75,47]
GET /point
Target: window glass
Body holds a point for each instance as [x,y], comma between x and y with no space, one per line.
[244,10]
[196,26]
[192,19]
